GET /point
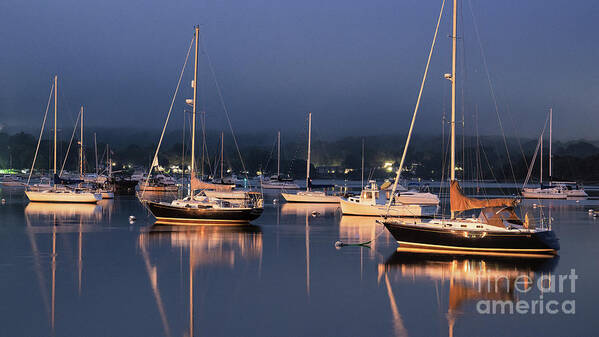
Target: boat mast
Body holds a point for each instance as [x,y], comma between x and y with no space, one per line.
[541,159]
[55,116]
[222,151]
[195,94]
[308,161]
[96,151]
[203,119]
[453,61]
[81,145]
[278,154]
[550,139]
[362,163]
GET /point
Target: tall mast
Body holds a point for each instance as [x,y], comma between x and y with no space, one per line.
[453,61]
[550,140]
[362,163]
[278,154]
[81,145]
[222,151]
[96,151]
[55,116]
[541,160]
[195,96]
[203,119]
[308,161]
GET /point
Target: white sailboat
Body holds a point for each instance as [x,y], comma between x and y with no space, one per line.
[555,189]
[59,193]
[309,195]
[278,182]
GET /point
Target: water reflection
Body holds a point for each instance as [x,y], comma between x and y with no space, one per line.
[470,279]
[206,246]
[301,209]
[54,218]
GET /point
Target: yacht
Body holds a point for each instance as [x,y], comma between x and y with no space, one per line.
[198,208]
[278,181]
[58,192]
[309,195]
[555,189]
[10,180]
[497,230]
[371,202]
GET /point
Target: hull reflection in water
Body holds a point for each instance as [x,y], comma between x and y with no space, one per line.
[40,212]
[212,244]
[470,279]
[205,246]
[301,209]
[57,218]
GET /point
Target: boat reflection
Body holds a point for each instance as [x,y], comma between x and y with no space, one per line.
[55,218]
[301,209]
[43,213]
[206,246]
[470,278]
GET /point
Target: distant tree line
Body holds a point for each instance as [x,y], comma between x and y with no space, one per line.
[484,158]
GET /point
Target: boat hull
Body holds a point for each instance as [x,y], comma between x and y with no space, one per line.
[12,184]
[418,199]
[419,211]
[543,194]
[168,214]
[166,188]
[49,196]
[464,242]
[311,198]
[280,186]
[107,195]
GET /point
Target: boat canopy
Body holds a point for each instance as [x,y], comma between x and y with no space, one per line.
[498,216]
[460,202]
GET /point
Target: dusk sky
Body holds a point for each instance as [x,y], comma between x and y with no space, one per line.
[356,65]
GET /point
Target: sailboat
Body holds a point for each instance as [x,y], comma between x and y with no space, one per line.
[95,184]
[278,181]
[198,208]
[309,195]
[496,231]
[226,182]
[59,192]
[555,189]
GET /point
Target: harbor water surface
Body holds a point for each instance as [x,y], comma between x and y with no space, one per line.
[87,270]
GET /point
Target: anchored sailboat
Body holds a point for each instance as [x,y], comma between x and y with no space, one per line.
[309,195]
[497,230]
[278,182]
[555,189]
[58,192]
[202,209]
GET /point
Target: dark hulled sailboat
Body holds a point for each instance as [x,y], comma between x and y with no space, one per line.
[497,230]
[198,208]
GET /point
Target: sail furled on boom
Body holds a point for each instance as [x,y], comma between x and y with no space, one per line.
[197,184]
[460,202]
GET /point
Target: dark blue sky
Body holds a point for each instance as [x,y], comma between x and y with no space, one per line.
[355,64]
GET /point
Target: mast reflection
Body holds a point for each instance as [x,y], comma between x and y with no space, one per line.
[52,219]
[206,246]
[470,278]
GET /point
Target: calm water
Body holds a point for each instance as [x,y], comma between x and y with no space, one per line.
[84,270]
